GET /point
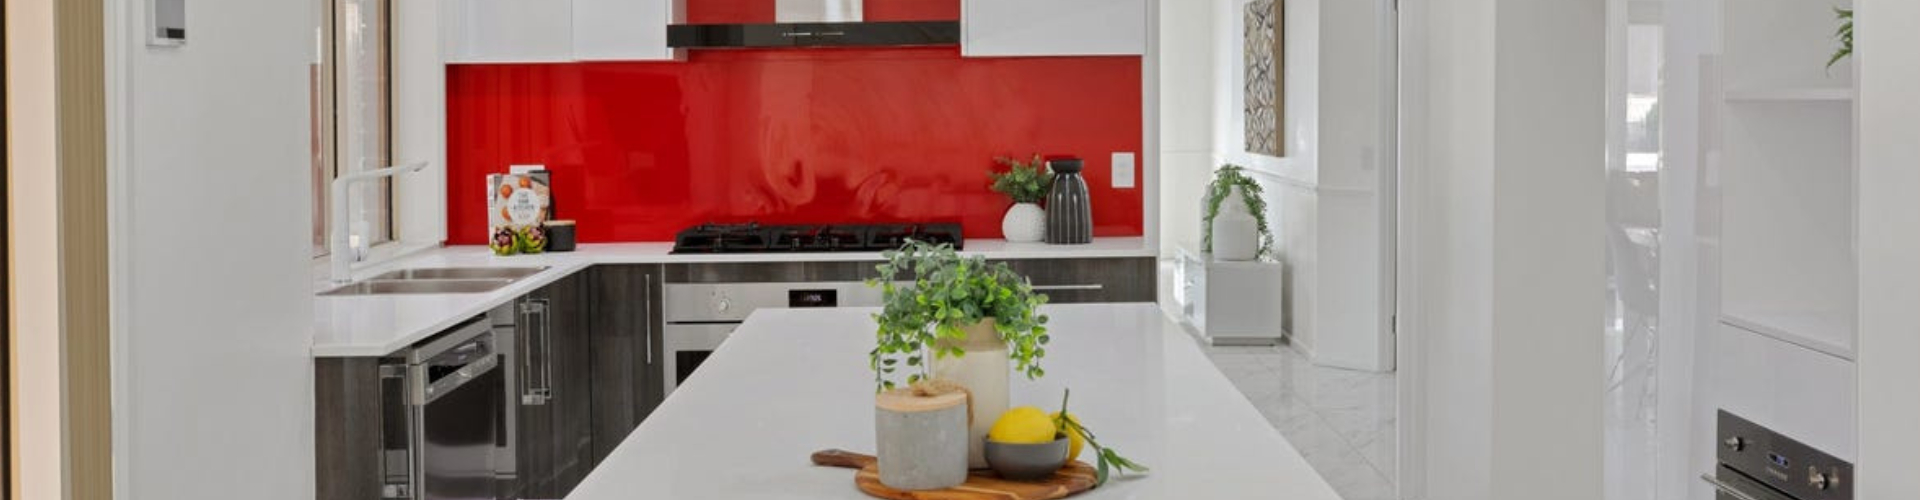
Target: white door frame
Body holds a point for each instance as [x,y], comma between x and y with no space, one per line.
[1404,182]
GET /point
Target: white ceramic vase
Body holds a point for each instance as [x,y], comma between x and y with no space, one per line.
[984,370]
[1236,234]
[1025,223]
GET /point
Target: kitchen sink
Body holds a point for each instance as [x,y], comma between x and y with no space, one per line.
[418,286]
[460,273]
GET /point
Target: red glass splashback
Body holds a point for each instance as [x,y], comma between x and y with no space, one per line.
[641,150]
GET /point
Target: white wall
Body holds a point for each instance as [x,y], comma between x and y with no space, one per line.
[1322,196]
[213,383]
[1889,215]
[33,209]
[1508,187]
[1187,90]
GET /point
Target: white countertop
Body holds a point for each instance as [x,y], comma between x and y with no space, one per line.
[792,382]
[382,324]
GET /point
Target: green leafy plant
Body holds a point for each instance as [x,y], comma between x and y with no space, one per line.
[946,293]
[1224,181]
[1024,182]
[1107,459]
[1844,34]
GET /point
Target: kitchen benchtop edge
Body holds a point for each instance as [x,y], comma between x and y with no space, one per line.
[374,326]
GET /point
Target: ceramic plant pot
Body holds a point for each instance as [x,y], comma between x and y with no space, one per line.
[985,373]
[1025,223]
[1236,234]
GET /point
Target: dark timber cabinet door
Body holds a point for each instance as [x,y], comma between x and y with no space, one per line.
[1081,281]
[627,350]
[555,406]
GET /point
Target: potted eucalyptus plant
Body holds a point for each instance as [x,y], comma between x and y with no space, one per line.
[1235,224]
[957,319]
[1026,183]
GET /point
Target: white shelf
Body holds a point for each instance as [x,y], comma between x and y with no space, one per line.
[1833,95]
[1811,330]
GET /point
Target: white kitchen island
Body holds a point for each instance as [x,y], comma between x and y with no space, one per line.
[792,382]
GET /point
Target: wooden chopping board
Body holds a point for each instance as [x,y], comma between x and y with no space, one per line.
[983,484]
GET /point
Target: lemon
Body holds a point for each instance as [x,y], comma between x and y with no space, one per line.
[1073,438]
[1023,425]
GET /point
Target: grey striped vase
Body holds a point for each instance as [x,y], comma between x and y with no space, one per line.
[1069,211]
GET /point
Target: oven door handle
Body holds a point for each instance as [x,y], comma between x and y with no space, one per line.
[1731,489]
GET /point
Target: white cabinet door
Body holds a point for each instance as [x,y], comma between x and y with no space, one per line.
[625,30]
[498,31]
[1053,27]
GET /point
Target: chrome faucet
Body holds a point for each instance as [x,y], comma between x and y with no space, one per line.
[340,249]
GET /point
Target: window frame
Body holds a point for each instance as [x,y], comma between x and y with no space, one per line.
[330,81]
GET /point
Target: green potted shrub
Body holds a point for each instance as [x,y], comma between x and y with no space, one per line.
[1026,183]
[957,319]
[1235,220]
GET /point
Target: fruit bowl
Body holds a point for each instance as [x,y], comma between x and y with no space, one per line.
[1027,462]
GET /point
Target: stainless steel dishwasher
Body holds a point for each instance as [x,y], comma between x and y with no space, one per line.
[458,393]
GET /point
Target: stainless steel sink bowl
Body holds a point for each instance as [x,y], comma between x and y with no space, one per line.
[418,286]
[460,273]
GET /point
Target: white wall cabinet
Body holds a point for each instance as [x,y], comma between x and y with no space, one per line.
[523,31]
[507,31]
[625,30]
[1013,28]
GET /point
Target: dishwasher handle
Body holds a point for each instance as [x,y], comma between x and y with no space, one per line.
[431,391]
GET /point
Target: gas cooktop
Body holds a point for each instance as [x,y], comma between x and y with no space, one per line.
[755,238]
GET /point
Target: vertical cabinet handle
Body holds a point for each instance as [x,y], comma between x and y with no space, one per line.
[647,298]
[534,313]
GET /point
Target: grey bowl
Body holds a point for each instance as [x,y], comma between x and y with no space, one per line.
[1027,462]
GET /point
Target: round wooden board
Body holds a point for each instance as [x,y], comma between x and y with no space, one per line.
[1076,477]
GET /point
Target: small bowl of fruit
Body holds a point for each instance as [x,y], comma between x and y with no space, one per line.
[1025,444]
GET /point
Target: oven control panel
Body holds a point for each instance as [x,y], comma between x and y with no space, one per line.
[1757,454]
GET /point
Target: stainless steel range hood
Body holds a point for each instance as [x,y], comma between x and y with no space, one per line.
[814,23]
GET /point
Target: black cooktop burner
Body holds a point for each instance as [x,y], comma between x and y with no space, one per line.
[755,238]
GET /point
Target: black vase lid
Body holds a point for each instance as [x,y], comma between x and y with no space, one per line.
[1066,165]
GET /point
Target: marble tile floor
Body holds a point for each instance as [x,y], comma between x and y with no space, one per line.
[1342,421]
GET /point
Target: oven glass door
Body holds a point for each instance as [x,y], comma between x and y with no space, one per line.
[688,345]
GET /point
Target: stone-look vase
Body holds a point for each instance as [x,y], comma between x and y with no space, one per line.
[921,441]
[984,370]
[1236,234]
[1024,223]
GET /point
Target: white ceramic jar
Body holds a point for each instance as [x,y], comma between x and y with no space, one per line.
[1236,234]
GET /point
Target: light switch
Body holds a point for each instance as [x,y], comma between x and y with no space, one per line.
[1123,170]
[167,23]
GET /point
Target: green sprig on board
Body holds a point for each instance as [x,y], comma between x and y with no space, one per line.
[1107,459]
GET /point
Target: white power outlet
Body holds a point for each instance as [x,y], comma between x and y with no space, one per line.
[1123,170]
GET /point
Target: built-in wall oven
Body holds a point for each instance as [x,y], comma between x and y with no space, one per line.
[700,316]
[1758,463]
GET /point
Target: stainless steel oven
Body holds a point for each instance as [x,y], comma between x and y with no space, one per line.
[700,316]
[1757,463]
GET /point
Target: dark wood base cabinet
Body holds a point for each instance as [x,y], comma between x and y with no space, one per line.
[585,372]
[627,349]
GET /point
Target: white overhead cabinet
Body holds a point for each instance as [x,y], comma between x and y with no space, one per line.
[625,30]
[507,31]
[545,31]
[1014,28]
